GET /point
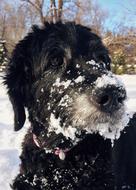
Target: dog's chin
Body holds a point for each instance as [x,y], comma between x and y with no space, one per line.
[90,118]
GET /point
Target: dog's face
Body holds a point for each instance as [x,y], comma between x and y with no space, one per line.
[67,83]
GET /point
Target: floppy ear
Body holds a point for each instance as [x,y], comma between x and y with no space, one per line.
[17,81]
[19,111]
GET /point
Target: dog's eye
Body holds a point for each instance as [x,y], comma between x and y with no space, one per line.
[56,62]
[56,58]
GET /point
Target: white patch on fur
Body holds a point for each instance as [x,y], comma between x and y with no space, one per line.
[108,79]
[58,83]
[65,101]
[77,66]
[96,65]
[42,90]
[65,84]
[68,132]
[93,63]
[79,79]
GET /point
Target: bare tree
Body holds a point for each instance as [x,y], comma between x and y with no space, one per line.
[60,9]
[13,21]
[3,26]
[86,12]
[54,12]
[38,6]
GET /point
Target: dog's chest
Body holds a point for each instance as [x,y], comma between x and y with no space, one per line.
[87,165]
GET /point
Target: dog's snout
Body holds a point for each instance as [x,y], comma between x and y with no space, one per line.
[110,98]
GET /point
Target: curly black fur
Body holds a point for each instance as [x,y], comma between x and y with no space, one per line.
[60,51]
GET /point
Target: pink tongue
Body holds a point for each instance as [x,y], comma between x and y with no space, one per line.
[60,153]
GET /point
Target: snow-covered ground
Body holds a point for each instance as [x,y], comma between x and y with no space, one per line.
[10,141]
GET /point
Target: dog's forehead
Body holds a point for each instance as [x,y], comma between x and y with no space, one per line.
[78,39]
[91,65]
[68,44]
[88,68]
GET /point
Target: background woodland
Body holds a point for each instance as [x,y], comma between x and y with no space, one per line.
[17,17]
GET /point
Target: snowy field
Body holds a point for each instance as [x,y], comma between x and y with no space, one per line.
[10,141]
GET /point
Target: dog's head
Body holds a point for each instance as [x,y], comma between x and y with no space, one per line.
[61,73]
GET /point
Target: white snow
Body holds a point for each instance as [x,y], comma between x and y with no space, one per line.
[10,141]
[109,79]
[65,84]
[79,79]
[55,126]
[93,63]
[115,130]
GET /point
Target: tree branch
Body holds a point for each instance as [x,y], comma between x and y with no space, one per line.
[39,8]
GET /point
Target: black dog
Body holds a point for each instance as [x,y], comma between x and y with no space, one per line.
[61,74]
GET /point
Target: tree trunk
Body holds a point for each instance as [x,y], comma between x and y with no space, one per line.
[53,11]
[60,9]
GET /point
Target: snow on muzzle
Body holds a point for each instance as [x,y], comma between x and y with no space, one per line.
[102,111]
[109,93]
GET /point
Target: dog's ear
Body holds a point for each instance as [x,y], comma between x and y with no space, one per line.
[19,111]
[17,80]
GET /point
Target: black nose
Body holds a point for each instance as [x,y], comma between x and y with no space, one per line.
[110,98]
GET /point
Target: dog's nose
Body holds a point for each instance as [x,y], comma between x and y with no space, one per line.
[110,98]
